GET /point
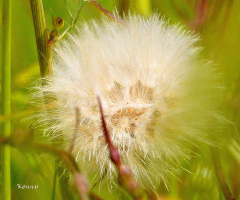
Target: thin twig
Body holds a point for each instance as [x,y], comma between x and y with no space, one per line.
[100,179]
[73,20]
[28,144]
[115,156]
[65,156]
[67,7]
[105,11]
[125,175]
[220,176]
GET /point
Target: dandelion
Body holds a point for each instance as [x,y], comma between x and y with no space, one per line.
[158,96]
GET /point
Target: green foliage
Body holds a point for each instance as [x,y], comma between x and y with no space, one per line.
[219,33]
[6,98]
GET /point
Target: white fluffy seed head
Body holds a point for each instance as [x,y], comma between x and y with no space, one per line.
[156,95]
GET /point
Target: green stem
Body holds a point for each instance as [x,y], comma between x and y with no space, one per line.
[41,33]
[45,64]
[54,183]
[27,144]
[74,20]
[6,91]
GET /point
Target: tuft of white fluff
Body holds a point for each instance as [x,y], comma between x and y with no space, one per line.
[158,96]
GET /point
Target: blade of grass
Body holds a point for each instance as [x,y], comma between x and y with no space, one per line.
[6,91]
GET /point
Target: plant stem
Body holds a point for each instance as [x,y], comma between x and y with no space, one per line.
[44,51]
[220,176]
[125,176]
[54,183]
[27,144]
[106,12]
[74,19]
[6,91]
[45,63]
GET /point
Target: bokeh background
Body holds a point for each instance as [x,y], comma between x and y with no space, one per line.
[218,24]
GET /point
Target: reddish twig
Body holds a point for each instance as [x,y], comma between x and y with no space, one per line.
[126,179]
[114,155]
[106,12]
[220,176]
[201,14]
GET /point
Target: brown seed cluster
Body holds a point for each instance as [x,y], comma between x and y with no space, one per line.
[126,118]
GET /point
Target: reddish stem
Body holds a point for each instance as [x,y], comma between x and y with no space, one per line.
[201,14]
[108,13]
[220,176]
[115,156]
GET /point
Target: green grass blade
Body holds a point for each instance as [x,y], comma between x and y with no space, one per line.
[6,91]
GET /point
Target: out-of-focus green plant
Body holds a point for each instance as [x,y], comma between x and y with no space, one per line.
[219,32]
[6,99]
[141,6]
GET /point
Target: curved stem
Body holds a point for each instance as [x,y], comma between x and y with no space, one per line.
[28,144]
[220,176]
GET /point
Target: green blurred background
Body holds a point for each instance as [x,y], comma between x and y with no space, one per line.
[218,24]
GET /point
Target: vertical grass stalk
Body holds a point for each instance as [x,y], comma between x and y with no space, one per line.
[41,33]
[6,91]
[45,64]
